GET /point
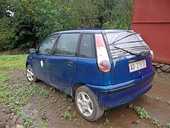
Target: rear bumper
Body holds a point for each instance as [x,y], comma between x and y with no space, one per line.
[116,95]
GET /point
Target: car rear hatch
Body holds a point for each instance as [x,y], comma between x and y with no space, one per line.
[130,56]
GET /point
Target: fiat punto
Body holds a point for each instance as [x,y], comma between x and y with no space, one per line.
[100,69]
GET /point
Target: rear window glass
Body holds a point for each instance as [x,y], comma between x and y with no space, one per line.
[120,37]
[123,43]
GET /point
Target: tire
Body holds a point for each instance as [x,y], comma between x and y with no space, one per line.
[30,75]
[91,100]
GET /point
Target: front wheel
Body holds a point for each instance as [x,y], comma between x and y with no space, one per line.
[30,75]
[87,104]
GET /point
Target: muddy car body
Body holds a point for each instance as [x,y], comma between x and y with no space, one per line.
[101,69]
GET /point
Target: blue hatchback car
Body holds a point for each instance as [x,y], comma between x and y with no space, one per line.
[100,69]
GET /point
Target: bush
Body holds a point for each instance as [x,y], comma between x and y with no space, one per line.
[7,34]
[34,20]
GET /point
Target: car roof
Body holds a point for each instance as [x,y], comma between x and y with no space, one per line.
[91,31]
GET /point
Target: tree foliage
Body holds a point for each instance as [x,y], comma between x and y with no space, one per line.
[24,22]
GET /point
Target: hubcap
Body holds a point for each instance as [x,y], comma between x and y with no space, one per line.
[30,74]
[85,104]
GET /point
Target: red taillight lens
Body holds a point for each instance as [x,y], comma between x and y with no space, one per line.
[104,66]
[102,55]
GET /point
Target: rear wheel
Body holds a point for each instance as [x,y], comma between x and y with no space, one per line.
[30,75]
[87,104]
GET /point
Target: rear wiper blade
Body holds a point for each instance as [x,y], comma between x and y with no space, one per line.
[131,41]
[127,51]
[123,38]
[143,53]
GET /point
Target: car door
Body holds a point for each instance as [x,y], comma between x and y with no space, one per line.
[40,59]
[87,68]
[62,64]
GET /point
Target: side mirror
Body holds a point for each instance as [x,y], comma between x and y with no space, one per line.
[32,50]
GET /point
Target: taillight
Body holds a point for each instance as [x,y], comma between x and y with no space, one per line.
[152,54]
[102,55]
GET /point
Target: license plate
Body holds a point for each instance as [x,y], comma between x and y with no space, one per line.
[138,65]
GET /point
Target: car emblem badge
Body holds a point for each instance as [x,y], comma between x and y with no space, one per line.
[41,63]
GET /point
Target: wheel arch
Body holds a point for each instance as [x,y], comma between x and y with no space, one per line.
[75,86]
[26,64]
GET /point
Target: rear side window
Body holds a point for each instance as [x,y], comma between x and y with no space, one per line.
[87,46]
[67,44]
[47,45]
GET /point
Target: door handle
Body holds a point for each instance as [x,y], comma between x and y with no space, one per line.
[70,64]
[43,61]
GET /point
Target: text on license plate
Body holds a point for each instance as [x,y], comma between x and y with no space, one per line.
[138,65]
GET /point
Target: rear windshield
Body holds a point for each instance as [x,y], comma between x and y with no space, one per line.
[125,43]
[115,37]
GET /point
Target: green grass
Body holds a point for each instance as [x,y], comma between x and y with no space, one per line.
[3,77]
[67,115]
[141,112]
[10,62]
[15,97]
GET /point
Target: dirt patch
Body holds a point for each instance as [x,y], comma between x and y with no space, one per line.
[161,87]
[54,107]
[8,119]
[157,109]
[58,110]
